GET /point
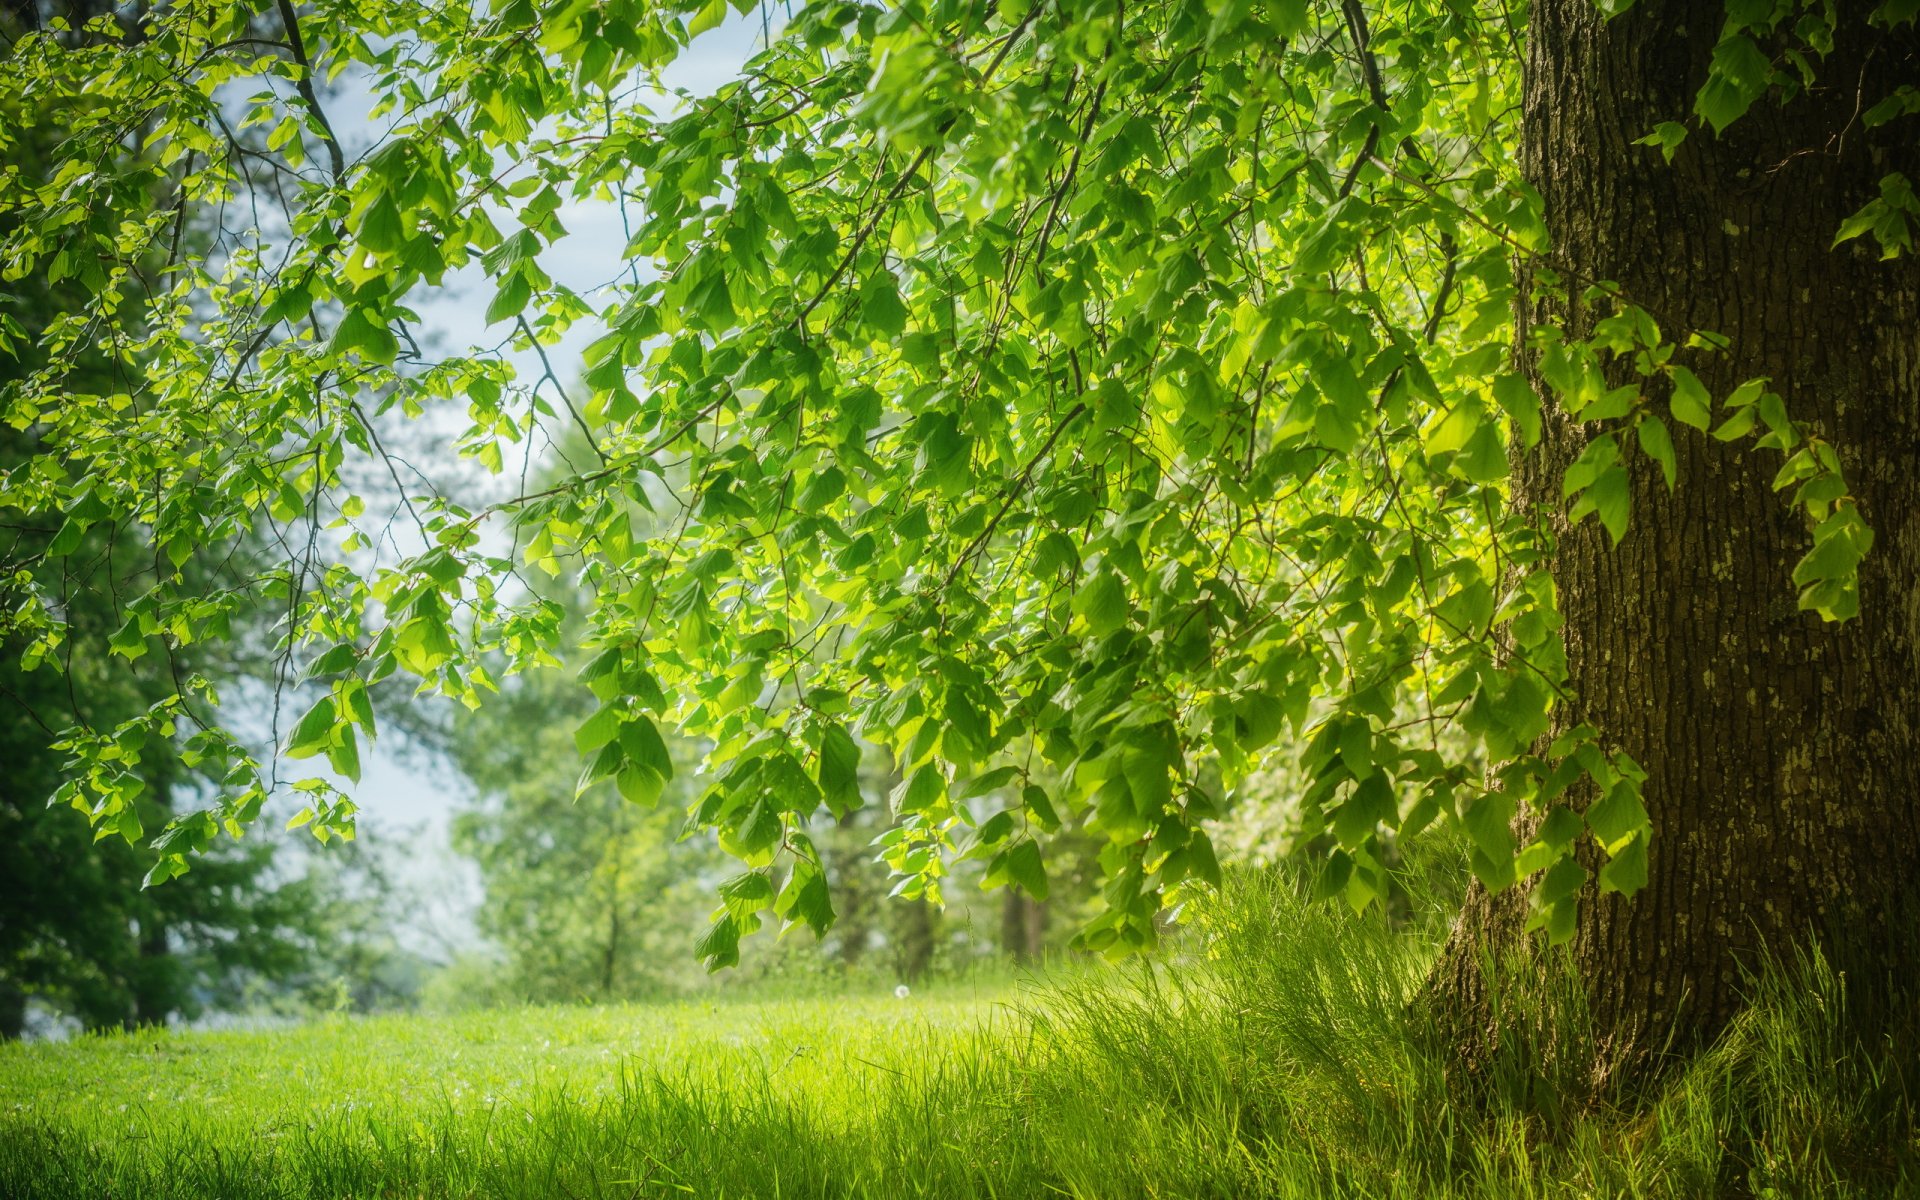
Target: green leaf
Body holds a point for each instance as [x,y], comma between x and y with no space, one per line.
[359,705]
[1453,430]
[1355,740]
[68,539]
[1489,822]
[1025,867]
[755,835]
[1336,428]
[597,730]
[130,640]
[922,790]
[314,730]
[880,306]
[1341,385]
[1040,807]
[343,753]
[1521,403]
[1609,496]
[1748,393]
[1738,75]
[1484,458]
[806,897]
[710,300]
[710,16]
[1738,425]
[1289,18]
[1626,871]
[639,784]
[987,783]
[1612,404]
[994,830]
[1203,863]
[1554,905]
[822,489]
[169,866]
[1891,13]
[1617,815]
[1468,610]
[512,298]
[509,254]
[381,230]
[360,330]
[602,673]
[1102,604]
[1667,135]
[1691,404]
[337,659]
[1370,804]
[838,772]
[720,947]
[1333,877]
[641,743]
[746,894]
[605,765]
[1658,445]
[1828,575]
[1600,454]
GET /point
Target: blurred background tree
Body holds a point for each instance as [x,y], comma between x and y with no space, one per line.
[596,898]
[79,934]
[588,898]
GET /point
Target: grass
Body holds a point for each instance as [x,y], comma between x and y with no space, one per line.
[1277,1061]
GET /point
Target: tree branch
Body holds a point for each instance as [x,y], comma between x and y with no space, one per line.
[304,85]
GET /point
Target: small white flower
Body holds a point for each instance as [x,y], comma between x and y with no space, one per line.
[902,992]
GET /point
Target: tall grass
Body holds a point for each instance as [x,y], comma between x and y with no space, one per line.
[1276,1058]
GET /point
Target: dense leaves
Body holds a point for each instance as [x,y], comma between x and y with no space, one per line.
[1125,392]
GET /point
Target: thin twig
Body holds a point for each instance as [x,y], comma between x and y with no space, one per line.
[1013,493]
[546,365]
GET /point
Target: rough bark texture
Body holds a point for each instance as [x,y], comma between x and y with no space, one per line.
[1784,752]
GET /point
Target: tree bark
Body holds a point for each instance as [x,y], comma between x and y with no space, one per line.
[1023,927]
[1783,752]
[154,978]
[13,1010]
[915,931]
[616,851]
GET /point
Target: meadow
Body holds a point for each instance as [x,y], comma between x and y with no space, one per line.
[1272,1055]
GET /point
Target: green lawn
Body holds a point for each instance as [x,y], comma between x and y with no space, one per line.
[534,1102]
[1278,1059]
[263,1084]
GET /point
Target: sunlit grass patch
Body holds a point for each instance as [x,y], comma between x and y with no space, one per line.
[1278,1061]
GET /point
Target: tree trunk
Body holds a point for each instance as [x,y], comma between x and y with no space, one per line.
[1023,927]
[915,932]
[1783,752]
[610,961]
[153,998]
[154,979]
[13,1010]
[856,882]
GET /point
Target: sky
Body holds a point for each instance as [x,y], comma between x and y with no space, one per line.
[407,796]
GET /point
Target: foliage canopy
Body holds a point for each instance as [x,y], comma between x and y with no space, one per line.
[1109,387]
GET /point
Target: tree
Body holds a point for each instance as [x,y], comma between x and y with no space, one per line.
[77,930]
[1780,751]
[587,896]
[1072,388]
